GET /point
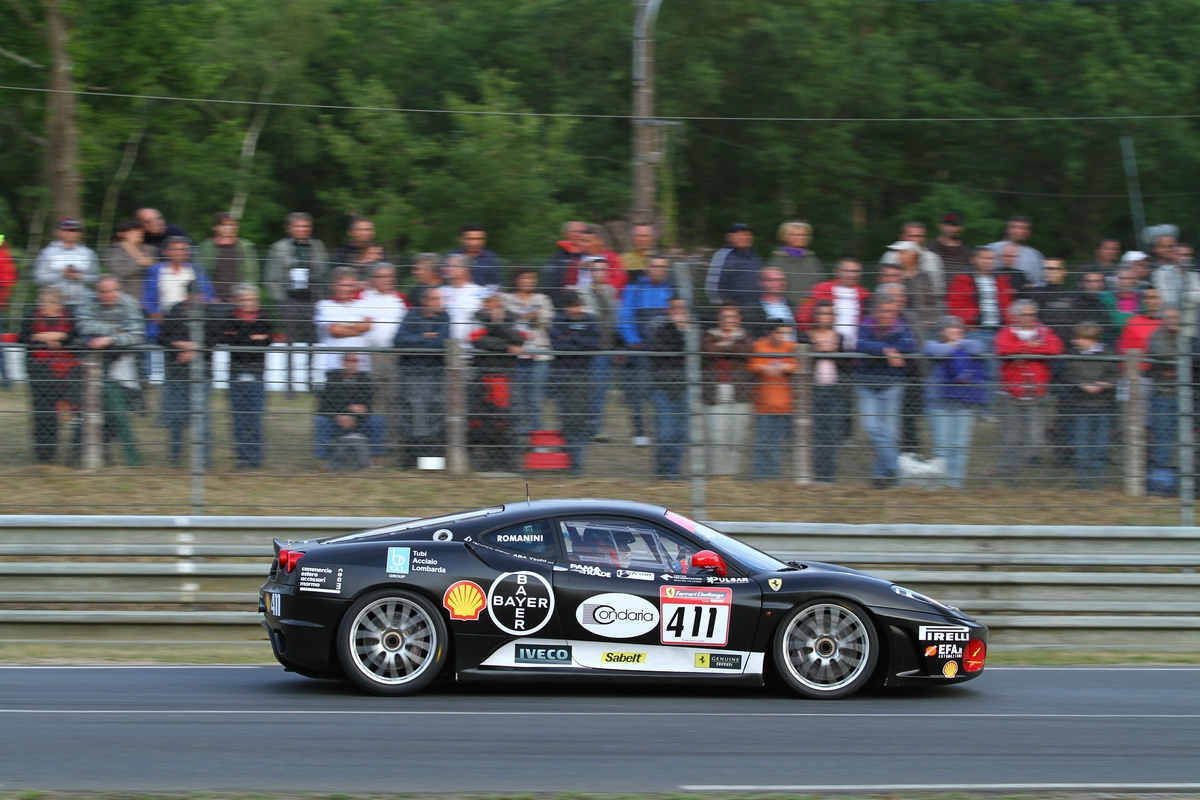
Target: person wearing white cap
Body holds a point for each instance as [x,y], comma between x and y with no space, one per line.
[913,234]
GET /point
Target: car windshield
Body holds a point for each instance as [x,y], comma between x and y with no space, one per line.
[413,524]
[750,557]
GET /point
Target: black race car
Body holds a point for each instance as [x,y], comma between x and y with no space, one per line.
[587,588]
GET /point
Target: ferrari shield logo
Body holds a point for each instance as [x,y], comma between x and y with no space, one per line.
[775,583]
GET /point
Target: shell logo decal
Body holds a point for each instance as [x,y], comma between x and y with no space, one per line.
[951,669]
[464,600]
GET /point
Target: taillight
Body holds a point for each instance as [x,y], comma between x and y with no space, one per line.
[288,558]
[974,656]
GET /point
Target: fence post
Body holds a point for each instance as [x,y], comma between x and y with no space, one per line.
[1135,427]
[1187,437]
[698,478]
[456,409]
[803,422]
[197,379]
[92,411]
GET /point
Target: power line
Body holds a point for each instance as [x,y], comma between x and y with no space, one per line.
[860,173]
[565,115]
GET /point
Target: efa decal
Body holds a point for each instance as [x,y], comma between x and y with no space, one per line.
[464,600]
[520,603]
[617,616]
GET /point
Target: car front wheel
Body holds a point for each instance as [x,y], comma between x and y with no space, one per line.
[826,649]
[392,642]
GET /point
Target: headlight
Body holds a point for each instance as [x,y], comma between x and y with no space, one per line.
[911,595]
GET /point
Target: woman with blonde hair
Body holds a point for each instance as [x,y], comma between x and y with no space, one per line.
[802,267]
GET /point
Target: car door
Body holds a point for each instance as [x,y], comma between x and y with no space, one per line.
[628,599]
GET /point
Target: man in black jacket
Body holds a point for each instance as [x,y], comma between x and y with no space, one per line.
[344,417]
[246,326]
[178,398]
[422,379]
[668,335]
[497,343]
[577,332]
[733,272]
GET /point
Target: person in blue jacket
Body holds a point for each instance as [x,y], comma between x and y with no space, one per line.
[422,378]
[884,340]
[643,302]
[574,336]
[960,390]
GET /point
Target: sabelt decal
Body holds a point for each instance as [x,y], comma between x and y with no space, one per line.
[943,633]
[464,600]
[322,580]
[635,576]
[398,560]
[775,584]
[951,669]
[520,603]
[718,661]
[617,616]
[623,658]
[694,615]
[527,654]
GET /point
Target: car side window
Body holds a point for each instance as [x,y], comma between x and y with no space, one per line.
[624,544]
[529,538]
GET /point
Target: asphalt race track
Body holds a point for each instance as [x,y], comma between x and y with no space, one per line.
[258,728]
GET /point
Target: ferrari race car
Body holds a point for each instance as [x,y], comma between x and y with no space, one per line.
[597,588]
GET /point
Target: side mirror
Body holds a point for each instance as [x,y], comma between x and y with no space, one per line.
[707,559]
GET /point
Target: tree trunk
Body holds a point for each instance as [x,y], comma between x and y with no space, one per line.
[62,123]
[249,148]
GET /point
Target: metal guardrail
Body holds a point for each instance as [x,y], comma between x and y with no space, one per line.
[1034,586]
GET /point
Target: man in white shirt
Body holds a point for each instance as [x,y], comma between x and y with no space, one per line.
[1178,286]
[461,297]
[341,321]
[67,263]
[1030,261]
[386,308]
[929,262]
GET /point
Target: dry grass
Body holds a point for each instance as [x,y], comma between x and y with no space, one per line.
[293,484]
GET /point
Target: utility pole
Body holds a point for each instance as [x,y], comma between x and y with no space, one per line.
[645,132]
[1134,185]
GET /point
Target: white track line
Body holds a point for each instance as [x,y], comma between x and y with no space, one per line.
[947,787]
[575,714]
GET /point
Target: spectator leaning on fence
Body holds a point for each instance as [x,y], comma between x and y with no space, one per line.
[733,272]
[1090,305]
[67,263]
[1164,349]
[295,279]
[349,434]
[422,379]
[979,299]
[111,324]
[773,366]
[179,392]
[341,321]
[640,304]
[128,256]
[228,259]
[668,379]
[830,392]
[167,281]
[1139,328]
[728,390]
[574,335]
[386,308]
[799,263]
[535,313]
[1024,376]
[484,264]
[1092,379]
[884,340]
[847,296]
[462,297]
[497,343]
[245,326]
[959,383]
[52,360]
[912,407]
[559,271]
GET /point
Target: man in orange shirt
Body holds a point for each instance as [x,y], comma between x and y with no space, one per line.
[773,402]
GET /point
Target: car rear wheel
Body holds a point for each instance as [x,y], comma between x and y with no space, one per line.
[392,642]
[826,649]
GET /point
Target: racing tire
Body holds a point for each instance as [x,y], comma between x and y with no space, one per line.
[826,649]
[392,642]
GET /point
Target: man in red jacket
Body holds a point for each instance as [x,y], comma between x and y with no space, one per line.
[1024,375]
[979,298]
[845,294]
[8,279]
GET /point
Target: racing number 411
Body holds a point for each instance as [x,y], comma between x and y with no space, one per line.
[677,623]
[695,615]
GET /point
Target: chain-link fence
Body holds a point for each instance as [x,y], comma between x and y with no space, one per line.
[732,411]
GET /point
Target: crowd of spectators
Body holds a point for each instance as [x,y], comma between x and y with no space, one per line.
[948,333]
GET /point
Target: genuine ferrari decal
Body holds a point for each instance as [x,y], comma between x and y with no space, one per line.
[617,616]
[464,600]
[527,654]
[943,633]
[719,661]
[323,580]
[520,603]
[775,583]
[398,560]
[695,615]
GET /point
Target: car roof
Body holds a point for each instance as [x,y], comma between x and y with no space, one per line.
[582,505]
